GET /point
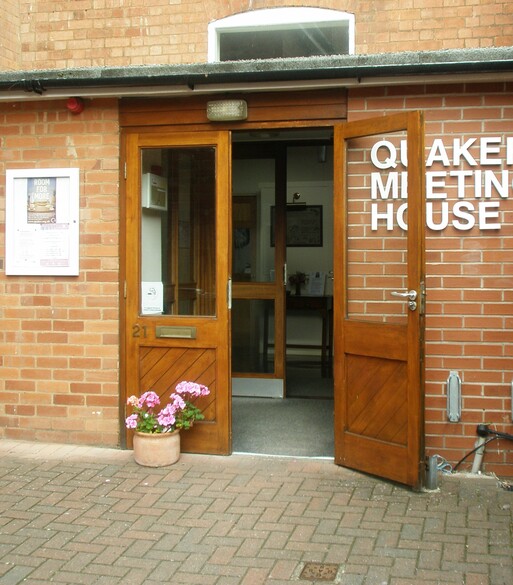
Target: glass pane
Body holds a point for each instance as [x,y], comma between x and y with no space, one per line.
[246,238]
[376,228]
[253,251]
[306,41]
[252,336]
[178,238]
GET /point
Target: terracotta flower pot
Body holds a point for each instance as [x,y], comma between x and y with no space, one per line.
[156,450]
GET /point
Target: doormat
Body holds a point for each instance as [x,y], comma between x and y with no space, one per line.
[319,572]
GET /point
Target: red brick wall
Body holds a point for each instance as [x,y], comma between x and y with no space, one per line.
[469,275]
[62,34]
[59,342]
[10,35]
[432,25]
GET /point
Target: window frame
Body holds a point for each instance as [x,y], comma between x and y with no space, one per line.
[278,19]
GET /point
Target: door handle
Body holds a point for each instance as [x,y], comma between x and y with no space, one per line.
[410,296]
[229,293]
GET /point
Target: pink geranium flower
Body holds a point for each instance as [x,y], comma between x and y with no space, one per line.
[192,388]
[149,399]
[179,413]
[131,421]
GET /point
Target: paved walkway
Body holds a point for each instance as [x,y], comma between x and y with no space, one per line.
[85,515]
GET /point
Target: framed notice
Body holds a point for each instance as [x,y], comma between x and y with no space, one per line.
[304,226]
[316,283]
[42,222]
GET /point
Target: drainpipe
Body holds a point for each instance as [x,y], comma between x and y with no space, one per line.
[478,457]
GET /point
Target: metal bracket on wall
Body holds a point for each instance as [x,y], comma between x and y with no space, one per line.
[453,397]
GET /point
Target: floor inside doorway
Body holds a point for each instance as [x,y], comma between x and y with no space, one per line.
[300,425]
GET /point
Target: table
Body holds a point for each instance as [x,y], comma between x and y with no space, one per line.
[323,305]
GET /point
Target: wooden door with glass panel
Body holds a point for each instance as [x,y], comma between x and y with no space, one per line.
[177,259]
[258,316]
[379,296]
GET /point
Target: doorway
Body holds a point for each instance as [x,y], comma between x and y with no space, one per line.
[378,313]
[282,266]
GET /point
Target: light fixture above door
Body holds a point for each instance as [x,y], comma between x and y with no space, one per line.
[227,110]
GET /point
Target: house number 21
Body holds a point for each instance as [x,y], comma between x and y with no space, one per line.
[139,331]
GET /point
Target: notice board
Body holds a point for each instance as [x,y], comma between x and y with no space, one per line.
[42,222]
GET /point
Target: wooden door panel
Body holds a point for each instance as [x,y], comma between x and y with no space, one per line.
[162,369]
[376,398]
[188,337]
[374,339]
[165,368]
[378,337]
[386,462]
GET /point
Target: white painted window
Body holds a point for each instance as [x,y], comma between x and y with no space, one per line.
[276,33]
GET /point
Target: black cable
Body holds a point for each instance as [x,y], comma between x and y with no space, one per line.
[473,451]
[500,435]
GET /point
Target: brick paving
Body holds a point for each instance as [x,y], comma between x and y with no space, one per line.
[79,515]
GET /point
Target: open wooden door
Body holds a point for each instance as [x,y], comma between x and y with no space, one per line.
[258,312]
[379,296]
[177,265]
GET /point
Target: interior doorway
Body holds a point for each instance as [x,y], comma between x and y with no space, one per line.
[282,267]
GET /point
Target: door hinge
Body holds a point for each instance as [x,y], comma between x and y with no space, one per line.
[124,289]
[422,299]
[125,171]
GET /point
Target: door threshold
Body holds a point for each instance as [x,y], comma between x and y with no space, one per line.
[274,456]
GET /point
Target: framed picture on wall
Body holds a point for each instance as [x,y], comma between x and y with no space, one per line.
[304,226]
